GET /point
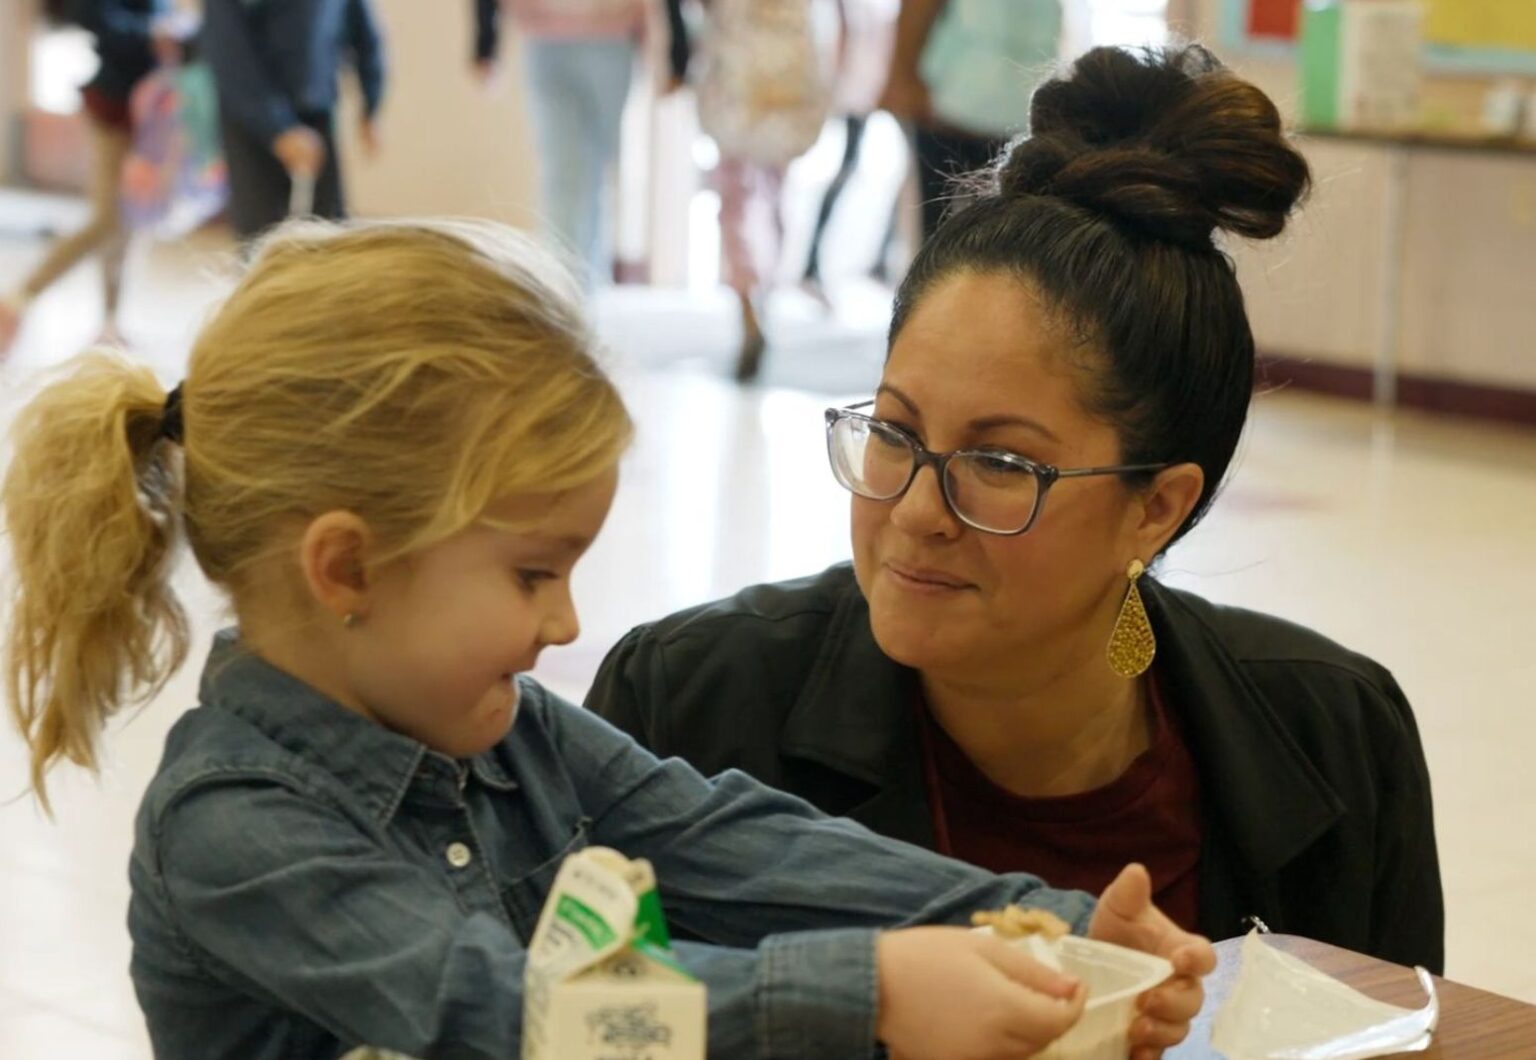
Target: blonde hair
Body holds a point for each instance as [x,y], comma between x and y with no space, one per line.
[409,372]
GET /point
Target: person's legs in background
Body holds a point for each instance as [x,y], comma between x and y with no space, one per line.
[751,233]
[576,90]
[854,137]
[103,233]
[942,156]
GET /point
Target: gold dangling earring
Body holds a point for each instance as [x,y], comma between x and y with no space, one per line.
[1132,645]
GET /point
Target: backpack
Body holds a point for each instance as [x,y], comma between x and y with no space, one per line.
[174,178]
[763,85]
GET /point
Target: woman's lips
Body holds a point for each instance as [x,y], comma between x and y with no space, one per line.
[926,579]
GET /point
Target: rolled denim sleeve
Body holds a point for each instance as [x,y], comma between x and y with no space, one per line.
[738,860]
[285,898]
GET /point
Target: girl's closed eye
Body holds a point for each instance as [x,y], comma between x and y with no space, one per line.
[529,578]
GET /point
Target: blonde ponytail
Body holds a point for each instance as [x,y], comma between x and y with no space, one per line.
[90,502]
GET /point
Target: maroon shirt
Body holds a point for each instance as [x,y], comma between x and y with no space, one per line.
[1150,814]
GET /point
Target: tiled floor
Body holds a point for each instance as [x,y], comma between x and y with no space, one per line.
[1411,543]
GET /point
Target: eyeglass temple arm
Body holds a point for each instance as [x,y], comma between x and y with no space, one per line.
[1084,472]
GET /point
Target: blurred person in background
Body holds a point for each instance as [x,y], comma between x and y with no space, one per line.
[132,37]
[960,78]
[863,67]
[277,64]
[578,63]
[763,79]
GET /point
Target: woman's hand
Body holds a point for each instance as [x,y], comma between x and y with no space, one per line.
[953,994]
[1127,917]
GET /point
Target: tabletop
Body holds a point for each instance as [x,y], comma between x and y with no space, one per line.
[1474,1024]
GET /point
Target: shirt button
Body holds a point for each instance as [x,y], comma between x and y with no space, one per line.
[459,855]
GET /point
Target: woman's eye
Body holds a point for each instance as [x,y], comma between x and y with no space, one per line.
[999,464]
[899,430]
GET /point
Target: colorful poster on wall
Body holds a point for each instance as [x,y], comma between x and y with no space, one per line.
[1273,19]
[1467,36]
[1502,24]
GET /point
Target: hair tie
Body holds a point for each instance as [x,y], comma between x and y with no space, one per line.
[171,426]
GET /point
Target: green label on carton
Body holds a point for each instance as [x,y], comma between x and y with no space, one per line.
[664,957]
[651,922]
[585,919]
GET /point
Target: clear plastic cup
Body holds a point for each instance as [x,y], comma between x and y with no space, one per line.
[1115,977]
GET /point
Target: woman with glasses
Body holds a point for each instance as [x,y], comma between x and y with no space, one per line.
[996,676]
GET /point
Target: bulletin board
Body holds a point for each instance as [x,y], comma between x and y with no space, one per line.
[1499,24]
[1462,36]
[1273,19]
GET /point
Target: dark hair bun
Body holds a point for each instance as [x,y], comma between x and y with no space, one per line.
[1163,141]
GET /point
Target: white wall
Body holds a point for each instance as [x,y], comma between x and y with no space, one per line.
[449,147]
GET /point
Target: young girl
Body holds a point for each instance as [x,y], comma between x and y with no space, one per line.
[392,446]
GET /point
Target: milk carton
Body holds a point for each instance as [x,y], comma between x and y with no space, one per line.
[601,981]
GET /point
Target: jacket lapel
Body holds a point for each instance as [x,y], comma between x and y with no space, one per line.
[854,722]
[854,718]
[1265,801]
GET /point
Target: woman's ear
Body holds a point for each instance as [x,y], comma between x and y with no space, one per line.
[1165,505]
[333,554]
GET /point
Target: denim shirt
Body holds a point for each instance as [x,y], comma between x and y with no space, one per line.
[305,881]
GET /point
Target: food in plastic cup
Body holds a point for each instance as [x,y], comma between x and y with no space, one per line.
[1115,978]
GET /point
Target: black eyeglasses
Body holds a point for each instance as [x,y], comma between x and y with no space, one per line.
[991,490]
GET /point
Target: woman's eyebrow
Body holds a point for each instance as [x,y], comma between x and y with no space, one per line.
[983,423]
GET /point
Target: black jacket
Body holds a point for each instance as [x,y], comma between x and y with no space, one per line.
[1317,805]
[122,30]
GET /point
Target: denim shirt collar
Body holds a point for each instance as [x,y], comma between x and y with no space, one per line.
[376,764]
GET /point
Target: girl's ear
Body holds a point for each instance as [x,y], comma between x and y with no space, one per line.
[333,555]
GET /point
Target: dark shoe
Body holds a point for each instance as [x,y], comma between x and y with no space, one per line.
[750,360]
[753,343]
